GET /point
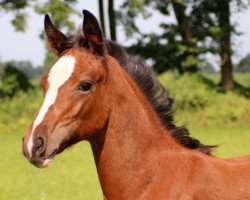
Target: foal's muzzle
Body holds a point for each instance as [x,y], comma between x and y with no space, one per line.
[38,156]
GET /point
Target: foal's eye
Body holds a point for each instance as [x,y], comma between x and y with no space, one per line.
[85,86]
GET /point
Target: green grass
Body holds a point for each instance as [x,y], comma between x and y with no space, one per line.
[71,176]
[212,116]
[231,140]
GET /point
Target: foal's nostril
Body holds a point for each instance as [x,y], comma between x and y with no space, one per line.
[39,147]
[39,143]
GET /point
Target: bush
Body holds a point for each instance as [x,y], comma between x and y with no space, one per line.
[19,111]
[13,80]
[244,64]
[198,101]
[189,90]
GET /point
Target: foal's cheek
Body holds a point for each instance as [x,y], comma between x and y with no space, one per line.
[75,107]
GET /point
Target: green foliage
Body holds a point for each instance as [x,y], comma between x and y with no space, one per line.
[202,26]
[189,90]
[127,14]
[19,22]
[24,66]
[175,48]
[199,103]
[60,11]
[169,53]
[21,108]
[11,5]
[245,61]
[12,81]
[19,19]
[244,64]
[27,68]
[207,68]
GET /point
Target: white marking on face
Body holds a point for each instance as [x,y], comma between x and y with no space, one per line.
[58,75]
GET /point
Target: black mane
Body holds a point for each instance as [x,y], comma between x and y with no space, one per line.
[157,95]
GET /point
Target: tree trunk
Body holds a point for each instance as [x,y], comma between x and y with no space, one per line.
[186,34]
[101,15]
[179,11]
[225,44]
[226,72]
[112,24]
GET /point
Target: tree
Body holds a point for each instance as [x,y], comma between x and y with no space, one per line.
[244,64]
[17,7]
[13,80]
[203,26]
[217,31]
[27,68]
[101,14]
[182,19]
[207,68]
[60,10]
[176,48]
[223,14]
[129,11]
[185,31]
[112,20]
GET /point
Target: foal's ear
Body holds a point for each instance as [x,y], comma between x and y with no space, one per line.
[54,36]
[92,33]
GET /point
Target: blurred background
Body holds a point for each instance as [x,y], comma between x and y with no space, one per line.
[199,49]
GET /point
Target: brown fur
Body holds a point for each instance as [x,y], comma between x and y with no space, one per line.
[136,157]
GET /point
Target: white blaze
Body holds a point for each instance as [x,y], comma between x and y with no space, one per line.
[58,75]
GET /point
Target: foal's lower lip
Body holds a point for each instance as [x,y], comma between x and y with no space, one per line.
[48,160]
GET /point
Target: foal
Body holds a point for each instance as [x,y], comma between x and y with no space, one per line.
[92,93]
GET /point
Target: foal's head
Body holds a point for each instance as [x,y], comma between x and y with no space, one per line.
[75,104]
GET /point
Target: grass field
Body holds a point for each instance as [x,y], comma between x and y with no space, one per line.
[72,175]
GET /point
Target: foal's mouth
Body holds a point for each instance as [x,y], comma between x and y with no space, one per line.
[44,162]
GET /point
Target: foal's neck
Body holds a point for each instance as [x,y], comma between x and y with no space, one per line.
[125,149]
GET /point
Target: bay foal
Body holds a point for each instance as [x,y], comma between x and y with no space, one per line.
[97,92]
